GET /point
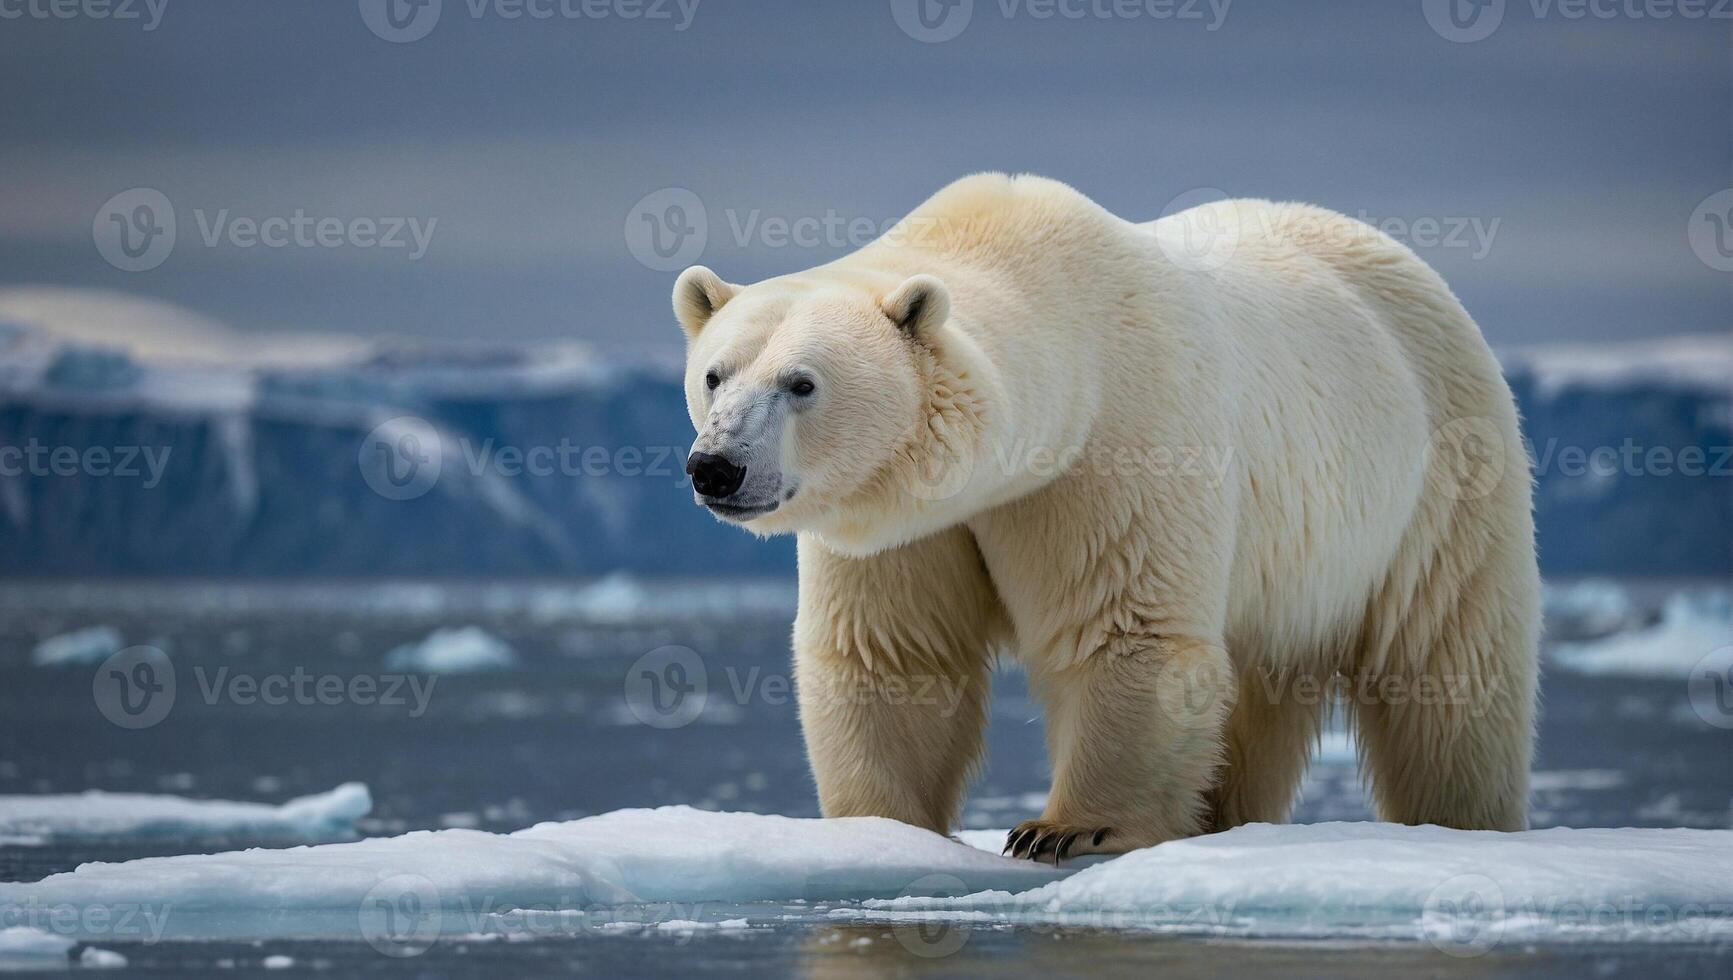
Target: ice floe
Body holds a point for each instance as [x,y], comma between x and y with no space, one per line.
[1695,631]
[83,647]
[668,855]
[465,650]
[29,948]
[1589,608]
[1460,890]
[99,815]
[24,946]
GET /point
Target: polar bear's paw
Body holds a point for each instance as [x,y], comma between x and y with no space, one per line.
[1040,840]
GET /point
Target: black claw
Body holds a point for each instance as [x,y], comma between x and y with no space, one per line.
[1101,835]
[1064,849]
[1040,846]
[1019,838]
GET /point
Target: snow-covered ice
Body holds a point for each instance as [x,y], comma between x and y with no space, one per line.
[78,648]
[1384,881]
[99,815]
[1696,630]
[670,854]
[465,650]
[1341,881]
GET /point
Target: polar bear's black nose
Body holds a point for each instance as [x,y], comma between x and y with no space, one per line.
[714,476]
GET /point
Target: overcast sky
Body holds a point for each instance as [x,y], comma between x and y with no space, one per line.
[532,166]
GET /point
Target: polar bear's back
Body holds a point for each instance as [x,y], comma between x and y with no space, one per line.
[1358,383]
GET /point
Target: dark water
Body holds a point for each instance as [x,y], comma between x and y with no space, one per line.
[558,738]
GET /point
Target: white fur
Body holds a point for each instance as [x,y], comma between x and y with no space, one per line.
[1291,458]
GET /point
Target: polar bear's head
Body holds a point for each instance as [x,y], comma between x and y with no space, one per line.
[811,393]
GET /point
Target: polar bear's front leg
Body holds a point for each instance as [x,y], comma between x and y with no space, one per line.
[1135,732]
[891,666]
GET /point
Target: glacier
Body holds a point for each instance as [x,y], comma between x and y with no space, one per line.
[272,466]
[679,869]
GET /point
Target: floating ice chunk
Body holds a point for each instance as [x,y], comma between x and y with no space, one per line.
[100,959]
[78,648]
[468,650]
[667,855]
[621,600]
[1384,881]
[1589,608]
[694,925]
[278,962]
[1693,626]
[1461,890]
[26,948]
[96,814]
[614,599]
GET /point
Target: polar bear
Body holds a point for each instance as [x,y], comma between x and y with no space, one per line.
[1206,477]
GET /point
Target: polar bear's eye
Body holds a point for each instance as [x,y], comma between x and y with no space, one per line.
[802,388]
[711,381]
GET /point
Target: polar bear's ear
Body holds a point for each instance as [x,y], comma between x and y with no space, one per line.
[698,294]
[919,306]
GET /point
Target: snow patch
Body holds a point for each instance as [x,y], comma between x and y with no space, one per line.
[78,648]
[99,815]
[466,650]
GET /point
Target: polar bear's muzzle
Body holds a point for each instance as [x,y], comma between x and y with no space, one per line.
[734,465]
